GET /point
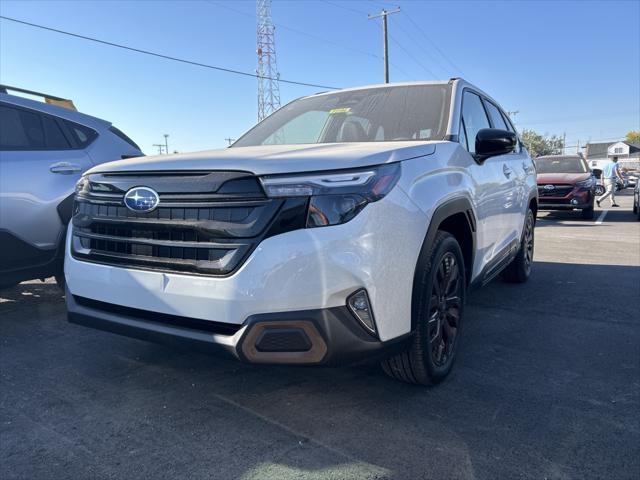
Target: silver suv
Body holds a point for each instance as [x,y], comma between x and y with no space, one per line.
[45,147]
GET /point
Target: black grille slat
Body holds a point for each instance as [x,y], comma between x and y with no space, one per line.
[197,231]
[557,191]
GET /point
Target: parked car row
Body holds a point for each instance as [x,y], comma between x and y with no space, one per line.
[565,182]
[346,226]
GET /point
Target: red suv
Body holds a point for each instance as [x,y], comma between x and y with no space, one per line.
[565,182]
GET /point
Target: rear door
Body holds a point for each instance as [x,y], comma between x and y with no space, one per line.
[39,166]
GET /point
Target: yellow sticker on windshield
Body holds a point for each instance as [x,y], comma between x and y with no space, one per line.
[333,111]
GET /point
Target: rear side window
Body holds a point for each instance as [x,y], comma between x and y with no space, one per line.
[120,134]
[82,135]
[21,129]
[496,116]
[474,118]
[55,139]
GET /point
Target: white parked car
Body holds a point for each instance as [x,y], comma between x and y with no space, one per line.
[346,226]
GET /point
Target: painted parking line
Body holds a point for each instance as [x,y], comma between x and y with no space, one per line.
[601,217]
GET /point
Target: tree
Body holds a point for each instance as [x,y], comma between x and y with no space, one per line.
[539,145]
[633,136]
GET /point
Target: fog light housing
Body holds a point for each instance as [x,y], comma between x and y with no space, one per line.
[360,307]
[574,201]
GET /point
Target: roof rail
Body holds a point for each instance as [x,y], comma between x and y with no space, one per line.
[50,99]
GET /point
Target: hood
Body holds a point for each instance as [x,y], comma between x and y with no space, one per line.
[277,159]
[562,177]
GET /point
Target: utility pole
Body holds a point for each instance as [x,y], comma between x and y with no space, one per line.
[384,14]
[160,147]
[230,140]
[564,142]
[166,143]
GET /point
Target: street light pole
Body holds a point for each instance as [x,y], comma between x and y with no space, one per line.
[384,14]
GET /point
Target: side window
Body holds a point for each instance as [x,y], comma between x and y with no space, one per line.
[20,130]
[55,139]
[82,135]
[496,116]
[474,118]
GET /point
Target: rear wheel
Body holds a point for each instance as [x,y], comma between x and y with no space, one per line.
[519,270]
[442,285]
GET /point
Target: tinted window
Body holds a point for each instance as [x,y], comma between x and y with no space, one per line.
[399,113]
[81,134]
[121,134]
[20,130]
[55,139]
[496,116]
[475,118]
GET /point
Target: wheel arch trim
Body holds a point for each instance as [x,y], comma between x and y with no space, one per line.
[455,206]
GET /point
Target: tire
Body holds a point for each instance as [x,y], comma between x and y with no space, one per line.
[7,285]
[60,281]
[599,190]
[519,270]
[441,287]
[587,213]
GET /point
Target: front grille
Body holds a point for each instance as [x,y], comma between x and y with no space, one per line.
[557,191]
[208,229]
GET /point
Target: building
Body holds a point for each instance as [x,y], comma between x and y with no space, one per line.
[628,154]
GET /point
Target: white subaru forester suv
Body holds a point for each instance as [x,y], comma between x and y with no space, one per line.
[346,226]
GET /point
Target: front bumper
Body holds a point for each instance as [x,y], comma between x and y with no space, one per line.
[576,199]
[301,270]
[329,336]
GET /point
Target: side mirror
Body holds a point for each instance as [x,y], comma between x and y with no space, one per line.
[491,142]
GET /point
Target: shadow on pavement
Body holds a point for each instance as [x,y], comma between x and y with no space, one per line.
[545,385]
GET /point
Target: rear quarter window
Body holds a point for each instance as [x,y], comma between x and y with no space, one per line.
[82,136]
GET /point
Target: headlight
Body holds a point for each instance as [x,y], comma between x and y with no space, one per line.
[588,183]
[335,197]
[82,185]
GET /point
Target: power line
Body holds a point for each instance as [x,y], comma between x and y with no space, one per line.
[410,55]
[166,57]
[344,7]
[298,32]
[412,40]
[433,44]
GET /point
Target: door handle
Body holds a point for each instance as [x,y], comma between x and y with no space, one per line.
[506,170]
[65,168]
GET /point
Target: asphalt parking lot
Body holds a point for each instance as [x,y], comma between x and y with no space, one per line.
[547,386]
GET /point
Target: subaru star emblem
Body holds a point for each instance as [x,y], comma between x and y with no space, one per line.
[141,199]
[549,187]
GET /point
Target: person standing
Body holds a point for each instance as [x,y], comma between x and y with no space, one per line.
[610,175]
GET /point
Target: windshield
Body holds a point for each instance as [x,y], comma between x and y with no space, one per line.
[415,112]
[561,165]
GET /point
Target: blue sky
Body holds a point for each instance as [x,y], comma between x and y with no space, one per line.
[566,67]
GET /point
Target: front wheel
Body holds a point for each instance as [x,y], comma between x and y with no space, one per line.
[519,270]
[441,292]
[599,190]
[587,213]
